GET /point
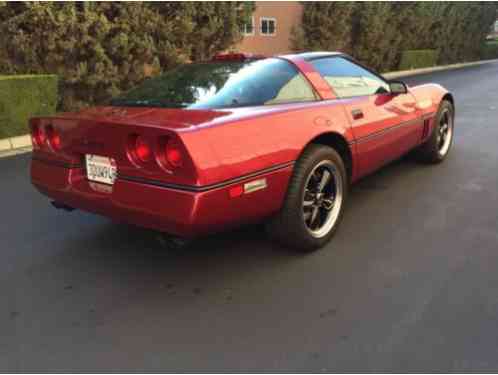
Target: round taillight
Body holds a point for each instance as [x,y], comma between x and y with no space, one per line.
[54,138]
[142,149]
[37,136]
[173,154]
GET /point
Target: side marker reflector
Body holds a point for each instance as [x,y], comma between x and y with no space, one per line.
[247,188]
[236,191]
[255,185]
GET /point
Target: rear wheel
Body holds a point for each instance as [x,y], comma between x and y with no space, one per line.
[314,202]
[437,147]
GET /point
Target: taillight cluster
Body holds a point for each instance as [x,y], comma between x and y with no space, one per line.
[166,152]
[45,137]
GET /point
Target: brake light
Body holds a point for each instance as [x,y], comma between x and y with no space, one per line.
[142,149]
[53,137]
[37,136]
[173,154]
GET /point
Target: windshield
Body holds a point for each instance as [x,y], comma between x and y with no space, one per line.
[221,85]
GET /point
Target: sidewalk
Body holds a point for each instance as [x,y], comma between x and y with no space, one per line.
[22,144]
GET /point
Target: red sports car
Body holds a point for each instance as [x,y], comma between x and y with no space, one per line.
[238,139]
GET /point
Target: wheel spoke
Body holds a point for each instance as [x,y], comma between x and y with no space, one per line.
[309,198]
[324,180]
[307,215]
[328,204]
[308,203]
[314,215]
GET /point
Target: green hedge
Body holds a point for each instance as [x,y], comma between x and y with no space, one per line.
[22,97]
[416,59]
[489,50]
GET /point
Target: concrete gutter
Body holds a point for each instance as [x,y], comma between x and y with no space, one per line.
[414,72]
[22,144]
[15,145]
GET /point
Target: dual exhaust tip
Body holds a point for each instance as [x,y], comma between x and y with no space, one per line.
[62,206]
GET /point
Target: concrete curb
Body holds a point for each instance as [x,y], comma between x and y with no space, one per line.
[15,145]
[413,72]
[21,144]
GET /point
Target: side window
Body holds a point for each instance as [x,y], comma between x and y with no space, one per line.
[297,89]
[348,79]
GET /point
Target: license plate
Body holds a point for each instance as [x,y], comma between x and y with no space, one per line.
[101,169]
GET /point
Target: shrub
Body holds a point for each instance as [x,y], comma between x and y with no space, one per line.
[489,51]
[22,97]
[418,59]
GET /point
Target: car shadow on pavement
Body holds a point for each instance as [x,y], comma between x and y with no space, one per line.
[144,249]
[132,253]
[249,241]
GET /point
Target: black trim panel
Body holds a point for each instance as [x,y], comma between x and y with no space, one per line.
[58,163]
[383,131]
[203,188]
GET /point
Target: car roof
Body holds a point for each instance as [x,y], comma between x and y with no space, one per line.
[313,55]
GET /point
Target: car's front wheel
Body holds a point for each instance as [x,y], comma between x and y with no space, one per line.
[314,202]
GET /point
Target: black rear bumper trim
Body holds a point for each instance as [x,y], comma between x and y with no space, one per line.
[198,189]
[58,163]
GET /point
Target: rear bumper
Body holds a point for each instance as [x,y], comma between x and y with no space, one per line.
[175,211]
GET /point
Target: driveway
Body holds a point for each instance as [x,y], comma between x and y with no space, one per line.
[410,282]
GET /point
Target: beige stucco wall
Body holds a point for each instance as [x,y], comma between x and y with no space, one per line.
[287,14]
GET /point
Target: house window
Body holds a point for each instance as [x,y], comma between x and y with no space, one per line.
[268,26]
[248,27]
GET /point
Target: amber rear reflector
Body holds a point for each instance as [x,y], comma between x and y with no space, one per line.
[236,191]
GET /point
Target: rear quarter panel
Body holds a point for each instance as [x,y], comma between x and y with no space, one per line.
[248,141]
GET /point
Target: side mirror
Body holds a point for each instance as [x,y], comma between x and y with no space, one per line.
[397,87]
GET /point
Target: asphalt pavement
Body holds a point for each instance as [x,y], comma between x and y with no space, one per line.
[409,283]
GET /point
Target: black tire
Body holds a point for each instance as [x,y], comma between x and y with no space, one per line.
[289,225]
[430,151]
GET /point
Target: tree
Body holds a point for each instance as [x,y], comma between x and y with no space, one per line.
[375,35]
[100,49]
[214,26]
[378,32]
[325,26]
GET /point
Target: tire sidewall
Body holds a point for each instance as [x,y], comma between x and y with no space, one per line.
[445,105]
[315,156]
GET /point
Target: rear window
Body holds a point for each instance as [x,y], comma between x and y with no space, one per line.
[215,85]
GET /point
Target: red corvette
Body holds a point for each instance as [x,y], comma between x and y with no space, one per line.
[212,145]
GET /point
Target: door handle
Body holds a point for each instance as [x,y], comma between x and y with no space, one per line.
[357,114]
